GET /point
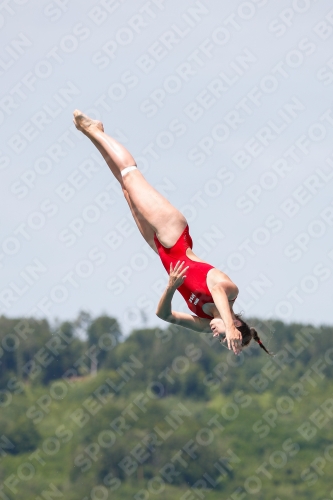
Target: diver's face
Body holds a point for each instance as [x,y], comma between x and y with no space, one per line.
[218,328]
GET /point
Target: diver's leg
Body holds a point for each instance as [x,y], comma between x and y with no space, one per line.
[147,203]
[144,227]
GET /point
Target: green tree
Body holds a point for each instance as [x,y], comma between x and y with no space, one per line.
[104,334]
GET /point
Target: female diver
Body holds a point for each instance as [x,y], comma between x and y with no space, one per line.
[208,292]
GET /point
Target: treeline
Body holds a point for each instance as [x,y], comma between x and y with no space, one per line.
[33,352]
[30,350]
[161,412]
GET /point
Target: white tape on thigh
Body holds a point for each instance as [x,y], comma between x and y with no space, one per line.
[127,170]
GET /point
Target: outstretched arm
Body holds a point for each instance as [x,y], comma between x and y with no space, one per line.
[221,293]
[164,310]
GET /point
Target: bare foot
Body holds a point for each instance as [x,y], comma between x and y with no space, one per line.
[85,124]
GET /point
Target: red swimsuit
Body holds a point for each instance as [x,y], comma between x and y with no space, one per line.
[194,289]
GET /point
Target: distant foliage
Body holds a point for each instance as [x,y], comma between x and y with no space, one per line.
[19,434]
[168,405]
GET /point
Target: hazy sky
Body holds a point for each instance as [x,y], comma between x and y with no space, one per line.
[227,108]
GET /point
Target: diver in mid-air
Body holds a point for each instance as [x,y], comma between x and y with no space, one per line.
[208,292]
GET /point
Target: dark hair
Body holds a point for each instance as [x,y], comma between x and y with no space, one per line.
[249,333]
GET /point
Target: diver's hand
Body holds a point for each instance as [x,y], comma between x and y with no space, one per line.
[234,339]
[177,275]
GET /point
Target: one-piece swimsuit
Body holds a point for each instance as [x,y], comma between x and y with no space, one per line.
[194,289]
